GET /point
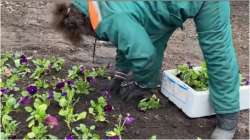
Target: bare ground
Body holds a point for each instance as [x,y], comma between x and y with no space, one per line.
[25,28]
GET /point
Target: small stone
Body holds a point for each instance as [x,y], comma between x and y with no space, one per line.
[137,132]
[157,117]
[109,78]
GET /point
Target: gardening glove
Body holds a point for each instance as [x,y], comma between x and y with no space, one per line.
[226,126]
[119,77]
[130,90]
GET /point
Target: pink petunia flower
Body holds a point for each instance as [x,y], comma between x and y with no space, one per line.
[51,121]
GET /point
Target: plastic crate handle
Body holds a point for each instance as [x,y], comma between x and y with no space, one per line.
[180,85]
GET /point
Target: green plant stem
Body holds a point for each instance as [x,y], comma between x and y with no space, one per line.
[69,126]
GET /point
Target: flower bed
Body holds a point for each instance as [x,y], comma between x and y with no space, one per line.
[40,100]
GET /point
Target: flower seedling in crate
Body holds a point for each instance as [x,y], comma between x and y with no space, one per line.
[97,109]
[83,132]
[197,79]
[149,103]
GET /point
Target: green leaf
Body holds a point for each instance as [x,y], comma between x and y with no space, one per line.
[28,109]
[63,102]
[31,135]
[11,101]
[57,96]
[81,116]
[31,123]
[2,84]
[17,62]
[153,137]
[102,101]
[101,118]
[82,87]
[51,137]
[39,83]
[37,103]
[41,110]
[110,133]
[73,73]
[24,93]
[92,103]
[149,103]
[91,111]
[62,112]
[92,127]
[29,118]
[3,136]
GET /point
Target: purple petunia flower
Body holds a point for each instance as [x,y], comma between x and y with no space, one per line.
[31,89]
[106,93]
[129,119]
[81,71]
[91,80]
[64,94]
[60,85]
[4,90]
[69,137]
[51,121]
[50,94]
[23,60]
[108,108]
[70,83]
[25,100]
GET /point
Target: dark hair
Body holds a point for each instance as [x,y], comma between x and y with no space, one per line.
[71,22]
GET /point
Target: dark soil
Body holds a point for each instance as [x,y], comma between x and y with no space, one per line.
[25,28]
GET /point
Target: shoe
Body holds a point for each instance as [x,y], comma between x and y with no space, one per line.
[115,86]
[132,91]
[226,126]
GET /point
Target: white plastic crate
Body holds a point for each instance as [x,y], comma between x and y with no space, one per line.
[194,103]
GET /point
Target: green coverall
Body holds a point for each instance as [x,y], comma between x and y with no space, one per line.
[140,30]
